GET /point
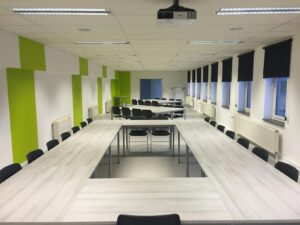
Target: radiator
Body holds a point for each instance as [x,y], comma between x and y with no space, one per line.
[189,100]
[108,106]
[208,109]
[93,112]
[61,125]
[258,133]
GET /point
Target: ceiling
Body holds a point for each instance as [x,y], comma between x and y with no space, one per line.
[152,47]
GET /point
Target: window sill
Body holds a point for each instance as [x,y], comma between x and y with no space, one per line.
[275,122]
[244,113]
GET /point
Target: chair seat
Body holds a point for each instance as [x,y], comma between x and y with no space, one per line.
[160,133]
[138,133]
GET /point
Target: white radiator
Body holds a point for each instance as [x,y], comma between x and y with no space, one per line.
[208,109]
[93,112]
[258,133]
[61,125]
[189,100]
[108,106]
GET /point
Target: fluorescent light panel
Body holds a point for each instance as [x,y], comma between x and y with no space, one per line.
[62,11]
[262,10]
[102,43]
[221,42]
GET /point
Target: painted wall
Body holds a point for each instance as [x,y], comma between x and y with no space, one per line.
[89,94]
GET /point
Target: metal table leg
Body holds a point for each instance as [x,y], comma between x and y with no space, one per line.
[123,131]
[178,146]
[187,162]
[118,144]
[173,143]
[109,162]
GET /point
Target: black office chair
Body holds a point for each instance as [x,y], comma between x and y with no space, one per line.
[213,123]
[136,114]
[33,155]
[243,142]
[141,102]
[83,124]
[116,112]
[8,171]
[75,129]
[288,170]
[126,113]
[160,131]
[221,128]
[139,132]
[65,135]
[147,114]
[261,153]
[163,99]
[134,102]
[172,219]
[155,103]
[207,119]
[51,144]
[148,103]
[171,99]
[89,120]
[230,134]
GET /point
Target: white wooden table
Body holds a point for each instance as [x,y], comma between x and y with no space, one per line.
[159,109]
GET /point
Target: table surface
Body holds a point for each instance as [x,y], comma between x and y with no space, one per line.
[239,186]
[157,109]
[163,101]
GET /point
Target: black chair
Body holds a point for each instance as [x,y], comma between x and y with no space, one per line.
[171,99]
[172,219]
[8,171]
[134,102]
[33,155]
[65,135]
[75,129]
[148,103]
[221,128]
[89,120]
[141,102]
[160,131]
[51,144]
[139,132]
[261,153]
[163,99]
[155,103]
[213,123]
[243,142]
[288,170]
[116,111]
[207,119]
[230,134]
[126,113]
[147,114]
[136,114]
[83,124]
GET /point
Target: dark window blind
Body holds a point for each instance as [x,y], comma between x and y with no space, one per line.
[189,76]
[214,72]
[205,74]
[246,62]
[199,73]
[227,70]
[194,76]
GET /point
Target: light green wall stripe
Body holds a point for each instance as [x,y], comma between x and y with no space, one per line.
[32,54]
[114,91]
[77,99]
[124,78]
[22,109]
[100,96]
[83,67]
[104,71]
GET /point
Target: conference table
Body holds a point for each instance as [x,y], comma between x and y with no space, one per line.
[238,187]
[160,110]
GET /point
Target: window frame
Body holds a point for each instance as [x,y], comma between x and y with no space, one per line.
[214,94]
[247,110]
[274,100]
[228,93]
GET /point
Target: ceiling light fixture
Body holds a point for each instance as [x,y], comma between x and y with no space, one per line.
[221,42]
[102,43]
[62,11]
[251,11]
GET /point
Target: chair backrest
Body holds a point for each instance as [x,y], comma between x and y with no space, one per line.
[171,99]
[141,102]
[51,144]
[213,123]
[134,102]
[136,112]
[89,120]
[207,119]
[65,135]
[172,219]
[75,129]
[147,114]
[83,124]
[126,111]
[116,110]
[230,134]
[148,103]
[155,103]
[243,142]
[163,99]
[178,99]
[261,153]
[288,170]
[8,171]
[221,128]
[33,155]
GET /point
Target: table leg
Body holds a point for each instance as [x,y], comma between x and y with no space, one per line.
[173,143]
[123,132]
[118,143]
[109,162]
[178,146]
[184,114]
[187,162]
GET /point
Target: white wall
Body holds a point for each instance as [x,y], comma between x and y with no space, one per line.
[94,69]
[9,50]
[170,79]
[53,100]
[89,94]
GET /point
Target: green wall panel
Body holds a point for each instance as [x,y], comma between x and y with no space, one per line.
[100,96]
[22,109]
[104,71]
[115,91]
[124,78]
[32,54]
[83,67]
[77,99]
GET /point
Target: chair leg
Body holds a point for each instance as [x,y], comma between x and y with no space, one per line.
[150,141]
[128,148]
[147,142]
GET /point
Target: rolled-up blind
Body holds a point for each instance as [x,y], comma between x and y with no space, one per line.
[205,74]
[227,70]
[278,59]
[214,72]
[189,76]
[194,76]
[246,62]
[199,73]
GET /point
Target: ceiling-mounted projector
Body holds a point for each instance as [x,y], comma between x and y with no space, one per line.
[176,15]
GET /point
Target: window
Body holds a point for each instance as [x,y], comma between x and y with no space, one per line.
[198,90]
[244,101]
[226,94]
[204,91]
[189,89]
[213,94]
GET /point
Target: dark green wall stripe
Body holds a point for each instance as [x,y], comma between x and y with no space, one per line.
[77,99]
[83,67]
[32,54]
[22,109]
[100,96]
